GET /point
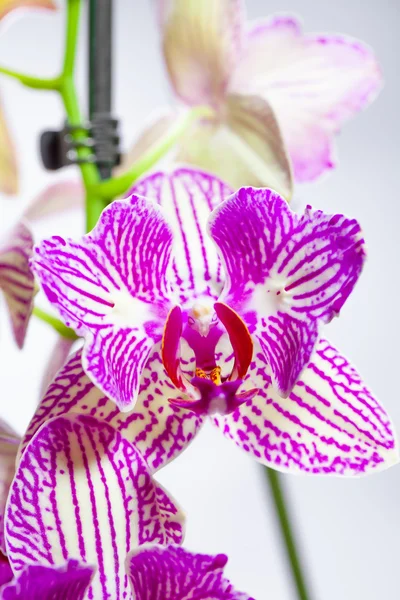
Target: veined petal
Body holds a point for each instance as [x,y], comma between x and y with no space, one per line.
[17,280]
[6,6]
[94,500]
[67,582]
[173,573]
[187,197]
[313,82]
[158,430]
[112,288]
[201,43]
[8,162]
[9,444]
[243,146]
[56,198]
[285,274]
[330,424]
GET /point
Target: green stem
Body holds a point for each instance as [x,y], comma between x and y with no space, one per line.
[287,533]
[95,203]
[55,323]
[117,186]
[37,83]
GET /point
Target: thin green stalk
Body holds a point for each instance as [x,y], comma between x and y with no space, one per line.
[282,515]
[117,186]
[37,83]
[55,323]
[95,203]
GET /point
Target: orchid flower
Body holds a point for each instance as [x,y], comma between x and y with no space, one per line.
[100,524]
[8,163]
[16,278]
[270,86]
[175,341]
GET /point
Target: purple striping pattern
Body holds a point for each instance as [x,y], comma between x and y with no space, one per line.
[158,430]
[111,287]
[82,491]
[36,582]
[330,424]
[9,444]
[16,279]
[173,573]
[285,273]
[187,197]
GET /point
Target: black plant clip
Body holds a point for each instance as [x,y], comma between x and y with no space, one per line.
[58,148]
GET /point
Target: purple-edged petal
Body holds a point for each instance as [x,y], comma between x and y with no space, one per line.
[94,500]
[313,82]
[111,287]
[56,198]
[36,582]
[16,279]
[9,444]
[172,573]
[285,273]
[242,145]
[187,197]
[201,43]
[330,424]
[8,161]
[158,430]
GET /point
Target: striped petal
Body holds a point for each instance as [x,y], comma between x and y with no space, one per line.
[330,424]
[172,573]
[6,6]
[201,43]
[157,429]
[8,161]
[285,273]
[243,146]
[16,279]
[9,444]
[111,287]
[94,500]
[67,582]
[314,83]
[187,197]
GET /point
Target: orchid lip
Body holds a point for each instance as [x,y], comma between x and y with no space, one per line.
[221,399]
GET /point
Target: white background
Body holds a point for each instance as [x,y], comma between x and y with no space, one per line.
[349,529]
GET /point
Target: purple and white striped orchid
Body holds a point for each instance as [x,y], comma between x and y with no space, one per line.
[172,341]
[273,90]
[85,519]
[16,278]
